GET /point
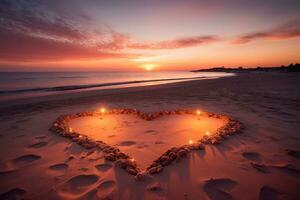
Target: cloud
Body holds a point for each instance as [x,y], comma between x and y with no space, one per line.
[174,44]
[286,31]
[31,32]
[22,47]
[21,16]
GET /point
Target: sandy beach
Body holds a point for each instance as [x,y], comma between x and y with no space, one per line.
[261,163]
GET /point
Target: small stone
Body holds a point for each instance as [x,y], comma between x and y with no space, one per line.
[156,169]
[71,157]
[182,153]
[172,155]
[165,160]
[131,170]
[110,157]
[142,176]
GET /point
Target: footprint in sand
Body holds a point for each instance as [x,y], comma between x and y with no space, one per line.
[260,167]
[103,167]
[37,145]
[106,188]
[25,160]
[110,136]
[252,156]
[7,172]
[58,169]
[6,169]
[41,137]
[152,132]
[217,189]
[127,143]
[77,185]
[154,187]
[268,193]
[293,153]
[16,193]
[287,168]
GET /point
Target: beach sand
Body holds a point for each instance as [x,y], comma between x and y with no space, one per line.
[262,163]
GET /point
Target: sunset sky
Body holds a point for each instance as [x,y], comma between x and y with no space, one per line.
[136,35]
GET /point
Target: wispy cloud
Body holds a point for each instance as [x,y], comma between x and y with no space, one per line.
[36,34]
[174,44]
[285,31]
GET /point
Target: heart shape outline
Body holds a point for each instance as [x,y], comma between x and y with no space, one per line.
[60,126]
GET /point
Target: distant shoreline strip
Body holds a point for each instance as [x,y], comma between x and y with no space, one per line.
[77,87]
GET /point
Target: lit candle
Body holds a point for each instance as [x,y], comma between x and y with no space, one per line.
[191,142]
[207,133]
[198,113]
[102,110]
[70,130]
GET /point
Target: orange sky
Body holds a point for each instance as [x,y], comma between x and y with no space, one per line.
[131,36]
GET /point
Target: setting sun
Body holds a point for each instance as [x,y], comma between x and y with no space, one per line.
[149,67]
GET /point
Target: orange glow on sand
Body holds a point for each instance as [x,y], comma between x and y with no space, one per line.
[124,132]
[102,110]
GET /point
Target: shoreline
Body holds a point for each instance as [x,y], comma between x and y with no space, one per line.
[89,95]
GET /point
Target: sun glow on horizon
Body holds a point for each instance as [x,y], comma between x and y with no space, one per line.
[149,67]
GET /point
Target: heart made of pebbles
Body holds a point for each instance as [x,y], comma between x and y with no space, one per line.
[155,140]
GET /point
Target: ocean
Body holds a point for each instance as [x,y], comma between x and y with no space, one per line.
[14,85]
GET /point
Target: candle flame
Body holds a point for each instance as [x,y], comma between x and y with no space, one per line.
[102,110]
[207,133]
[191,142]
[70,129]
[198,112]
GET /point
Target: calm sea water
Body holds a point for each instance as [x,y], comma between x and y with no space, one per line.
[25,84]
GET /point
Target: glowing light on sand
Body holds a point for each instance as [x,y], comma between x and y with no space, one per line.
[191,142]
[80,136]
[102,110]
[198,113]
[207,133]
